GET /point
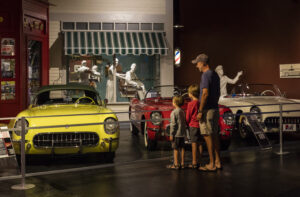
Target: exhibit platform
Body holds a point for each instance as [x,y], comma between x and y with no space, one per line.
[247,171]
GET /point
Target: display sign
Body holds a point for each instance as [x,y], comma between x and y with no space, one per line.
[8,162]
[8,46]
[8,68]
[289,70]
[6,148]
[289,127]
[8,90]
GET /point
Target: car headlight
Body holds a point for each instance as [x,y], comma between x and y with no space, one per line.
[111,125]
[256,112]
[156,118]
[228,118]
[18,125]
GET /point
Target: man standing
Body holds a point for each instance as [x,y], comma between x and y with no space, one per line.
[208,114]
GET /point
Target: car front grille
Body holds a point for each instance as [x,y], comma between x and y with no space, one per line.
[273,122]
[65,139]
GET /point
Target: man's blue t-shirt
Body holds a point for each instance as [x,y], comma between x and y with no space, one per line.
[211,81]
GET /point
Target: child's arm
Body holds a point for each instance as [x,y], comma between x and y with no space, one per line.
[188,116]
[172,124]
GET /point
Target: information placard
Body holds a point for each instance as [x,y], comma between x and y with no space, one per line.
[8,161]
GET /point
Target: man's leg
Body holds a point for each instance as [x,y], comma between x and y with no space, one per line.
[217,150]
[215,138]
[209,144]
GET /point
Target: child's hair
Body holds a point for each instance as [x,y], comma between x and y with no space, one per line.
[178,100]
[194,90]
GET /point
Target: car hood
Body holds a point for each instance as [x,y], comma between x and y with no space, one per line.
[263,100]
[46,110]
[264,103]
[61,110]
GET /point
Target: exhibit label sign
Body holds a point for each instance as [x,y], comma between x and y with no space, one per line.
[289,70]
[8,162]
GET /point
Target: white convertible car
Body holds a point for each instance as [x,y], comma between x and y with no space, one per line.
[263,100]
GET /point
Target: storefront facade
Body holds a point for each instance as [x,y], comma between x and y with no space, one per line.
[24,55]
[108,31]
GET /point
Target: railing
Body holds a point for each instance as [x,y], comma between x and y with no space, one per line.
[23,129]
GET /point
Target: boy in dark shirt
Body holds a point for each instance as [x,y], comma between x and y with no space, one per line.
[193,123]
[177,132]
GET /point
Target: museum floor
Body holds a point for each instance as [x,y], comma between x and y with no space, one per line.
[248,171]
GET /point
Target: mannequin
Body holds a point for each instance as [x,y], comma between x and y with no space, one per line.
[94,76]
[131,79]
[224,80]
[110,70]
[83,71]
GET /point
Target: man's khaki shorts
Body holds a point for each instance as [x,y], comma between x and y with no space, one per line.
[209,124]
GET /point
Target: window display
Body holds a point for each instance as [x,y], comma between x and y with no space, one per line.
[116,79]
[8,90]
[34,68]
[8,46]
[8,68]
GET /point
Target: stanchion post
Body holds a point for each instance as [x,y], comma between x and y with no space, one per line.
[280,131]
[23,185]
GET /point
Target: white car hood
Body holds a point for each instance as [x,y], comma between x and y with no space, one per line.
[255,100]
[265,103]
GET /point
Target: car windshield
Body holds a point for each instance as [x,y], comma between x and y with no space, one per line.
[164,92]
[255,90]
[66,96]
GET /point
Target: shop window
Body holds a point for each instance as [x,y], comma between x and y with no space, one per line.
[146,26]
[34,66]
[95,26]
[68,25]
[81,26]
[158,26]
[8,69]
[97,71]
[108,26]
[120,26]
[133,26]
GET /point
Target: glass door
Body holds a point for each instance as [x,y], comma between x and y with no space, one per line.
[34,66]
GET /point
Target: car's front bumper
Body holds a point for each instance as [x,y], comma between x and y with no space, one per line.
[68,143]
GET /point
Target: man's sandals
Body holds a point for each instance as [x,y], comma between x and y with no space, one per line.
[207,169]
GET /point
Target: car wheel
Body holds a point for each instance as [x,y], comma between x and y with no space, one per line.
[149,144]
[109,157]
[133,129]
[244,129]
[225,144]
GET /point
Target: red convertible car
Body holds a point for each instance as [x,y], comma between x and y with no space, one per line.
[150,116]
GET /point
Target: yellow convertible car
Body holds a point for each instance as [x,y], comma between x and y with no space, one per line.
[64,108]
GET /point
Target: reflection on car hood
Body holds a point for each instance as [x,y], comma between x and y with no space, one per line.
[46,110]
[61,110]
[261,100]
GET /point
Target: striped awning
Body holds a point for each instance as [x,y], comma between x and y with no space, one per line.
[109,43]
